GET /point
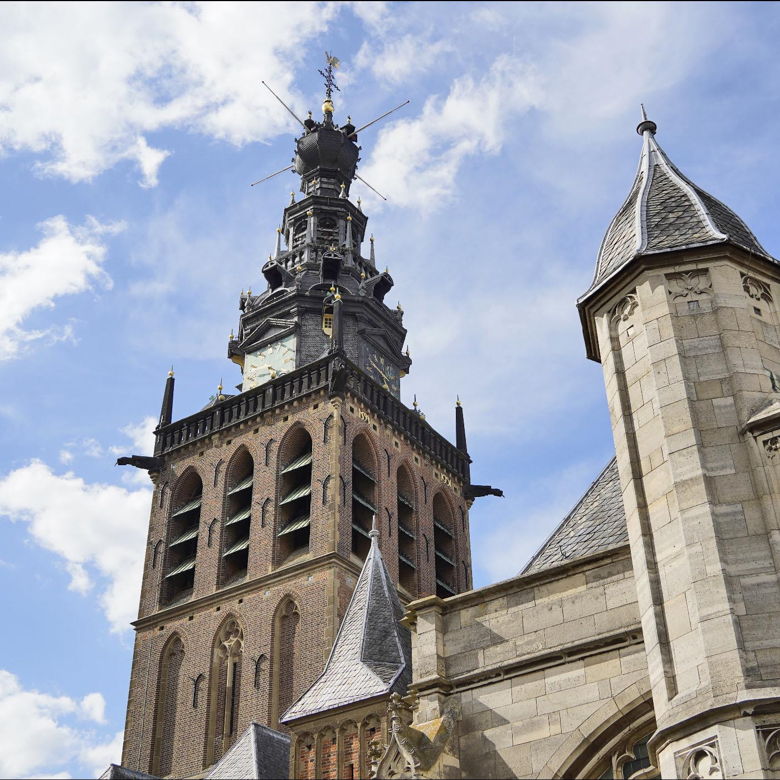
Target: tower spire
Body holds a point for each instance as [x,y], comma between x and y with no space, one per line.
[166,412]
[460,428]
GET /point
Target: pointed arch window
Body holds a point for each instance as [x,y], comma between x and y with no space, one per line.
[407,531]
[294,514]
[285,658]
[164,738]
[182,540]
[238,515]
[444,547]
[364,470]
[224,689]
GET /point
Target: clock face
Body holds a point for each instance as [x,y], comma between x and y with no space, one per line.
[272,360]
[382,371]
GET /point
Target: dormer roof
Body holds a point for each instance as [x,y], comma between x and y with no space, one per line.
[372,653]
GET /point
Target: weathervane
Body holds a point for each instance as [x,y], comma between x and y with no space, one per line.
[327,74]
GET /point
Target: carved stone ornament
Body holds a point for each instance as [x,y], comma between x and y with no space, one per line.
[701,762]
[690,284]
[756,289]
[770,738]
[410,753]
[772,446]
[625,308]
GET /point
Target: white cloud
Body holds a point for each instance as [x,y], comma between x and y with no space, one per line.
[396,59]
[67,260]
[88,99]
[65,457]
[417,160]
[36,735]
[91,526]
[141,434]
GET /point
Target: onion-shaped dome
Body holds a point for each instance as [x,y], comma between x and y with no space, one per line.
[329,148]
[666,211]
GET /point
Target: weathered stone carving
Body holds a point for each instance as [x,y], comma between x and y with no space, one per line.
[625,308]
[689,284]
[770,738]
[756,289]
[701,762]
[410,752]
[772,446]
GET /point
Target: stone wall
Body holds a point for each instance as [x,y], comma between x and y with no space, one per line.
[538,665]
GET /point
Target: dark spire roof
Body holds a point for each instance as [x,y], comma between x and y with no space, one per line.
[372,653]
[666,211]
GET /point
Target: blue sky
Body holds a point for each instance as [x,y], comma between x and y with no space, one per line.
[128,137]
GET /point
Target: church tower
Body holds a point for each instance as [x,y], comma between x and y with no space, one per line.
[683,318]
[263,502]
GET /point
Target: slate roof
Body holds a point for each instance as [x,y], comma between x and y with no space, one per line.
[117,772]
[260,753]
[597,522]
[372,652]
[665,210]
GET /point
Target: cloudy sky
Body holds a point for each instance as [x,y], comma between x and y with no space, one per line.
[128,137]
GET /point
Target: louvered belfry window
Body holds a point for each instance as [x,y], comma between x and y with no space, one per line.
[443,547]
[238,516]
[363,495]
[294,515]
[182,540]
[407,533]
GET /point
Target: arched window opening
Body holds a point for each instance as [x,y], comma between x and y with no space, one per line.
[224,690]
[363,494]
[443,547]
[299,233]
[156,553]
[350,752]
[407,532]
[238,516]
[305,758]
[328,755]
[163,741]
[372,729]
[182,540]
[286,658]
[328,230]
[294,514]
[630,762]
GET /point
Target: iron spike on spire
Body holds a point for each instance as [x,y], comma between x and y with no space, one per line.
[646,125]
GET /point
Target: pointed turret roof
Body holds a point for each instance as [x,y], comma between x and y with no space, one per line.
[666,211]
[372,652]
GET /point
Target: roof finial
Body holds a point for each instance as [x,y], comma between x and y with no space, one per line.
[646,125]
[170,373]
[374,532]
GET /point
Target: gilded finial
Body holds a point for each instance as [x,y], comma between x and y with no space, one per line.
[309,213]
[249,291]
[278,230]
[299,268]
[170,373]
[349,217]
[231,336]
[337,296]
[332,289]
[398,308]
[343,190]
[457,401]
[362,274]
[359,202]
[407,353]
[292,198]
[414,403]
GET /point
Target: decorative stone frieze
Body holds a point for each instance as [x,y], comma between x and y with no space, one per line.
[756,289]
[689,284]
[625,308]
[770,740]
[701,762]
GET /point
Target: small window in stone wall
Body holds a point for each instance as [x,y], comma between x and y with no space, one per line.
[631,763]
